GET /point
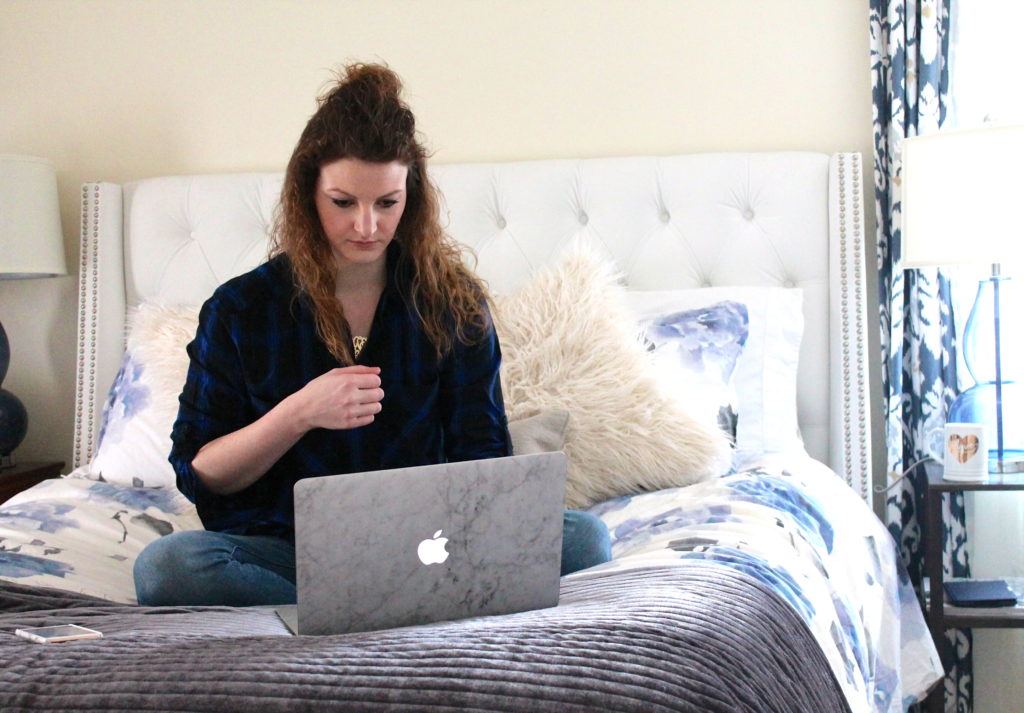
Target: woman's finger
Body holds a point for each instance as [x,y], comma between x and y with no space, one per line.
[369,396]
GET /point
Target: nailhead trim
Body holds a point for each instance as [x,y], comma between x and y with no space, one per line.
[851,235]
[88,285]
[861,300]
[844,310]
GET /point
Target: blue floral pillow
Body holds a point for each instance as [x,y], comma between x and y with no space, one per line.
[135,433]
[695,351]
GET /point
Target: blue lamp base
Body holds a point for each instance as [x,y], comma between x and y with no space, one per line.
[13,417]
[997,398]
[13,426]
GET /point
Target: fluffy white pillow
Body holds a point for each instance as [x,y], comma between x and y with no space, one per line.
[568,342]
[765,377]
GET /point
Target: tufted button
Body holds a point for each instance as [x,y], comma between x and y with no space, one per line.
[748,214]
[665,216]
[789,282]
[502,223]
[584,218]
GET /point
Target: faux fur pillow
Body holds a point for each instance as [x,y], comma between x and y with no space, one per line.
[568,342]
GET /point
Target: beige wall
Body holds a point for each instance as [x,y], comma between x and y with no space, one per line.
[117,90]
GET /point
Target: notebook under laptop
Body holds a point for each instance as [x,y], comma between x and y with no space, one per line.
[430,543]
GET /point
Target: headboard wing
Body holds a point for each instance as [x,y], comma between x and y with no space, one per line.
[787,219]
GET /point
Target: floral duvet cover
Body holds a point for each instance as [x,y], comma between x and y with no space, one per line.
[794,525]
[797,526]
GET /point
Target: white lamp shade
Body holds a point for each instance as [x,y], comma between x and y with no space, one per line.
[961,197]
[31,240]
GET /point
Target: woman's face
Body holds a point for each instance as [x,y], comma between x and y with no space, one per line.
[360,204]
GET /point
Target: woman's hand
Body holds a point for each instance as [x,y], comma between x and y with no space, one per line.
[347,397]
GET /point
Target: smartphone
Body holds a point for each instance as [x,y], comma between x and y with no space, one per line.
[56,634]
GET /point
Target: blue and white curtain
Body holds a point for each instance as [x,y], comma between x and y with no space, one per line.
[910,81]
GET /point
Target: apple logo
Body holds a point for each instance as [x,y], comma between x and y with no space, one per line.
[433,551]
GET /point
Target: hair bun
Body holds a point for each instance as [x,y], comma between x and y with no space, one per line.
[364,109]
[365,85]
[378,76]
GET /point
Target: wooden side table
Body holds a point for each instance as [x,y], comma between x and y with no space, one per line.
[941,614]
[25,475]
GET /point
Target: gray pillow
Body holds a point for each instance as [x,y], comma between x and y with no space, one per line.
[542,433]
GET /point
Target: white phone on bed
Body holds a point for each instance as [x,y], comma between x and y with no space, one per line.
[57,634]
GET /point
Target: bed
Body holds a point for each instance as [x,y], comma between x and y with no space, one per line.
[650,310]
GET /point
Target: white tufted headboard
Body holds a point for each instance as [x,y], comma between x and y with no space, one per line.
[790,219]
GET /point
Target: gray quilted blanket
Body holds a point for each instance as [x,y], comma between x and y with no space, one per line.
[700,637]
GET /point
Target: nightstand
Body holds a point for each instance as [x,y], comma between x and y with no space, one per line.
[25,475]
[942,615]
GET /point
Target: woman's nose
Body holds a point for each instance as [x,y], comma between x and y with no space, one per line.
[365,222]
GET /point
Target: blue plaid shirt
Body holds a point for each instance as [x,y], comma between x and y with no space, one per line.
[257,343]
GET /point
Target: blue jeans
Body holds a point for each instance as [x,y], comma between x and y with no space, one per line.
[199,567]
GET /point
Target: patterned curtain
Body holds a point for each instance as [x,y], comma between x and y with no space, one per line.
[910,80]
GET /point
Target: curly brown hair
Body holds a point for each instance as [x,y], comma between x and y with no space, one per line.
[363,117]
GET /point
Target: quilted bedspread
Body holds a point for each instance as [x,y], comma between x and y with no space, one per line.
[698,638]
[693,569]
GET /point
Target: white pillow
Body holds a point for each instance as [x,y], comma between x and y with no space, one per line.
[695,353]
[569,342]
[765,377]
[135,433]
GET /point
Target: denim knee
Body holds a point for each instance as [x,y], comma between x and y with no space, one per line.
[164,564]
[198,567]
[585,541]
[173,569]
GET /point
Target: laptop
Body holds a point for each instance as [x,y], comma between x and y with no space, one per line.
[431,543]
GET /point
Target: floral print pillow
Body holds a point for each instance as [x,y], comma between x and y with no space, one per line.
[695,353]
[135,431]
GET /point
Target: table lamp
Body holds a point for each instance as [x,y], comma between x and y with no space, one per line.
[31,245]
[961,203]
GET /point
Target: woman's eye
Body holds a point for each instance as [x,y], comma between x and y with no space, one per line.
[388,202]
[342,202]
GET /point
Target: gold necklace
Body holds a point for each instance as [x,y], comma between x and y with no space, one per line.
[357,345]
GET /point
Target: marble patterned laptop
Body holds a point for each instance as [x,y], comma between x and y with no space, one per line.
[430,543]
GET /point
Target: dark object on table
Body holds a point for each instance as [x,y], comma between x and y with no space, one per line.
[981,593]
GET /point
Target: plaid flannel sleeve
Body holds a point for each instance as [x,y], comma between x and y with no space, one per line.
[212,402]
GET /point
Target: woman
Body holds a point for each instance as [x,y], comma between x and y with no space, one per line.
[363,344]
